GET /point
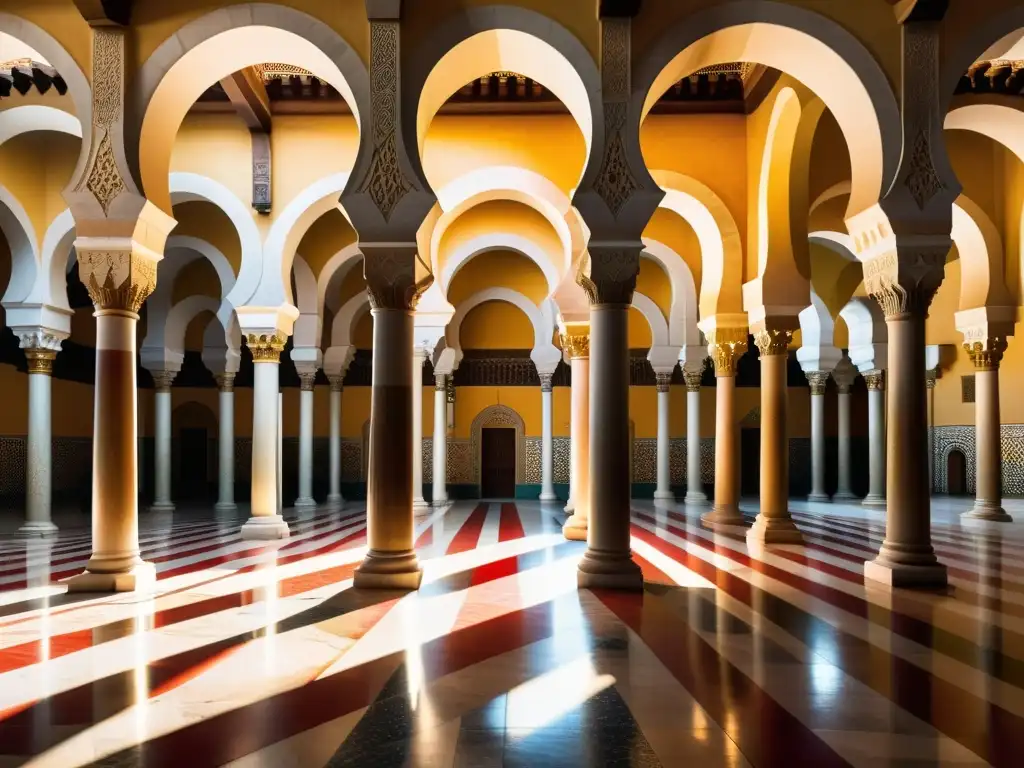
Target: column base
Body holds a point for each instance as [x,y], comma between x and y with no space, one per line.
[38,528]
[724,516]
[225,507]
[136,578]
[162,506]
[844,496]
[304,502]
[874,501]
[820,498]
[695,498]
[992,514]
[265,527]
[570,507]
[440,503]
[609,570]
[912,576]
[334,501]
[664,496]
[548,496]
[774,530]
[421,507]
[388,570]
[575,529]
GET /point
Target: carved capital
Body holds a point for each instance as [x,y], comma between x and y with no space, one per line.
[265,347]
[225,382]
[440,382]
[693,379]
[663,380]
[335,382]
[905,283]
[40,360]
[773,342]
[875,381]
[726,346]
[546,381]
[818,380]
[931,378]
[391,277]
[162,380]
[118,280]
[307,381]
[986,354]
[40,339]
[576,343]
[612,275]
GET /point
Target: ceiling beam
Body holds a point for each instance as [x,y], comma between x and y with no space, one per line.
[383,10]
[105,13]
[618,9]
[919,10]
[249,97]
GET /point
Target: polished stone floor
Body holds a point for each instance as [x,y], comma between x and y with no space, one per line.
[263,656]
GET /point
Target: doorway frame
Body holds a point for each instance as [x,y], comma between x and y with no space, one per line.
[497,416]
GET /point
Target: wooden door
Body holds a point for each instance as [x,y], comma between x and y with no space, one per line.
[193,467]
[956,473]
[498,463]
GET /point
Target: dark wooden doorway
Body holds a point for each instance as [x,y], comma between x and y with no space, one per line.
[498,463]
[750,462]
[956,473]
[194,484]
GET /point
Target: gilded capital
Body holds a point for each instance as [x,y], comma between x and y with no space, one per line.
[225,382]
[772,342]
[986,354]
[931,378]
[818,380]
[546,381]
[576,343]
[663,380]
[726,346]
[335,382]
[307,381]
[162,380]
[875,381]
[40,360]
[117,280]
[265,347]
[440,382]
[41,347]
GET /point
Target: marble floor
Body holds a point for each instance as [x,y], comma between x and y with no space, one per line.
[259,655]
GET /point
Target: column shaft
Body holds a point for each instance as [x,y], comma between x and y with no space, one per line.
[266,521]
[817,381]
[38,521]
[876,439]
[162,448]
[726,346]
[334,497]
[608,561]
[547,441]
[306,443]
[418,501]
[694,480]
[663,489]
[930,377]
[774,524]
[844,490]
[115,564]
[390,561]
[575,527]
[988,503]
[226,445]
[440,484]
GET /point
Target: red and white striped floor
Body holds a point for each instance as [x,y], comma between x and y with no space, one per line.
[262,654]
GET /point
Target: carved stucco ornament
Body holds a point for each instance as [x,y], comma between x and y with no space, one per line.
[906,283]
[117,280]
[391,278]
[726,346]
[987,353]
[612,276]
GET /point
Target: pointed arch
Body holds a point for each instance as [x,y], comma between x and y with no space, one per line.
[682,319]
[977,239]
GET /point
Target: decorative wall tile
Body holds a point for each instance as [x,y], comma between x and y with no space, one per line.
[562,447]
[676,461]
[645,460]
[428,460]
[351,461]
[967,388]
[460,462]
[532,453]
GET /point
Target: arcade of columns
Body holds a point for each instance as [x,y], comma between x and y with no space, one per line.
[121,236]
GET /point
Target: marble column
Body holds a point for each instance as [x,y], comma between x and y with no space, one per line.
[576,342]
[663,490]
[818,381]
[334,497]
[547,440]
[726,346]
[391,562]
[115,564]
[162,380]
[40,352]
[695,495]
[844,384]
[265,521]
[875,381]
[774,523]
[440,469]
[280,449]
[930,378]
[419,358]
[226,443]
[307,382]
[988,503]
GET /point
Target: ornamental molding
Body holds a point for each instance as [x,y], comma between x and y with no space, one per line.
[265,348]
[119,280]
[773,342]
[612,276]
[905,283]
[818,380]
[391,277]
[225,382]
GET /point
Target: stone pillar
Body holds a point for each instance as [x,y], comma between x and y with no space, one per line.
[774,524]
[547,441]
[307,381]
[663,491]
[875,381]
[440,485]
[334,497]
[390,562]
[576,342]
[162,381]
[266,521]
[818,381]
[695,495]
[118,283]
[930,378]
[988,503]
[726,346]
[844,383]
[40,351]
[419,358]
[226,443]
